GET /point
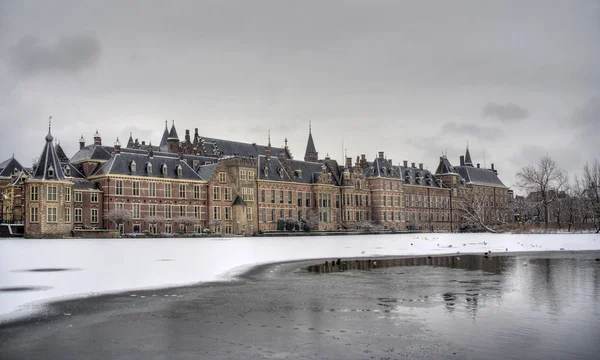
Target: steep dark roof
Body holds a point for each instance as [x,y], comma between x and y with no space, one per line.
[275,171]
[304,171]
[445,167]
[93,153]
[219,147]
[381,167]
[121,164]
[206,171]
[173,133]
[310,146]
[82,184]
[61,154]
[416,176]
[239,201]
[7,167]
[49,163]
[468,161]
[476,176]
[164,146]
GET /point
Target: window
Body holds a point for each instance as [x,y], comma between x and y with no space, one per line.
[133,166]
[272,215]
[307,199]
[384,200]
[167,190]
[152,189]
[94,217]
[264,215]
[197,212]
[120,206]
[136,188]
[263,196]
[182,191]
[272,196]
[227,229]
[251,175]
[67,214]
[248,194]
[217,193]
[68,194]
[384,187]
[281,196]
[52,193]
[222,177]
[152,210]
[196,191]
[216,213]
[228,213]
[405,200]
[299,199]
[289,197]
[168,211]
[149,168]
[243,174]
[33,194]
[136,211]
[179,170]
[33,214]
[51,214]
[228,194]
[164,169]
[181,210]
[78,214]
[299,215]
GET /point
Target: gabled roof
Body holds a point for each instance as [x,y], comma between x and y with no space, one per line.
[416,176]
[92,153]
[121,164]
[305,171]
[445,167]
[477,176]
[61,154]
[206,171]
[239,201]
[381,167]
[7,167]
[275,171]
[48,166]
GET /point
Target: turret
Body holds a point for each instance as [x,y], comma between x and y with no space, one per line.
[311,153]
[97,138]
[81,142]
[173,140]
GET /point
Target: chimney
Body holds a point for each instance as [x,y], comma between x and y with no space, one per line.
[405,163]
[117,146]
[281,156]
[363,158]
[196,132]
[462,160]
[187,136]
[143,142]
[381,154]
[81,142]
[412,165]
[390,161]
[478,165]
[97,138]
[268,152]
[420,166]
[492,166]
[348,162]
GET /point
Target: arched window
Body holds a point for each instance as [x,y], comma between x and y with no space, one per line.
[133,166]
[51,172]
[164,169]
[149,168]
[179,170]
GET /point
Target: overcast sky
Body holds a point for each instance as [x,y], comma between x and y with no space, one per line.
[515,79]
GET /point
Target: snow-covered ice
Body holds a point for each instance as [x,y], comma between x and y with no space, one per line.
[84,267]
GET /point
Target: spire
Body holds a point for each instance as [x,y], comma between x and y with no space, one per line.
[130,143]
[468,161]
[311,153]
[164,146]
[173,133]
[173,140]
[48,167]
[49,137]
[269,138]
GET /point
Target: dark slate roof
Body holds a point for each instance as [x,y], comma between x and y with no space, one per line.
[164,146]
[468,160]
[121,164]
[381,167]
[130,143]
[219,147]
[310,146]
[173,133]
[416,176]
[445,167]
[61,154]
[333,167]
[92,152]
[275,170]
[22,176]
[75,171]
[7,167]
[47,162]
[80,184]
[307,170]
[239,201]
[206,171]
[477,176]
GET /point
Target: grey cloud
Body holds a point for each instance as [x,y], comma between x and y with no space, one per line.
[588,115]
[505,112]
[69,54]
[473,130]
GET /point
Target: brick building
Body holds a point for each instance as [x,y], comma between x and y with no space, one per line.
[201,183]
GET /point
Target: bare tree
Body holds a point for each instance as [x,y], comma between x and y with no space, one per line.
[187,221]
[591,190]
[119,216]
[545,180]
[312,219]
[472,210]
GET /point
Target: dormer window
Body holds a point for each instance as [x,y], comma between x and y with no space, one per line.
[299,173]
[149,168]
[280,170]
[266,171]
[179,170]
[67,171]
[372,170]
[383,170]
[164,169]
[133,166]
[50,172]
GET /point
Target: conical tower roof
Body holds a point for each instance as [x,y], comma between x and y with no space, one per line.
[311,150]
[48,166]
[173,133]
[468,161]
[163,141]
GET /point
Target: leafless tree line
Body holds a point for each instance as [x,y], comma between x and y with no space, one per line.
[552,198]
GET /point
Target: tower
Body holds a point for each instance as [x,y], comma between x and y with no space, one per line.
[311,153]
[173,140]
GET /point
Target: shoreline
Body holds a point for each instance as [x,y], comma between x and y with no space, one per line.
[47,310]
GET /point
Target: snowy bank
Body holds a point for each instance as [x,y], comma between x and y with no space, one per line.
[54,269]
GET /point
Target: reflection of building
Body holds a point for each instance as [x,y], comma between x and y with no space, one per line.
[241,188]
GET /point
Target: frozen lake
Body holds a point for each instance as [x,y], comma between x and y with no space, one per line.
[36,271]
